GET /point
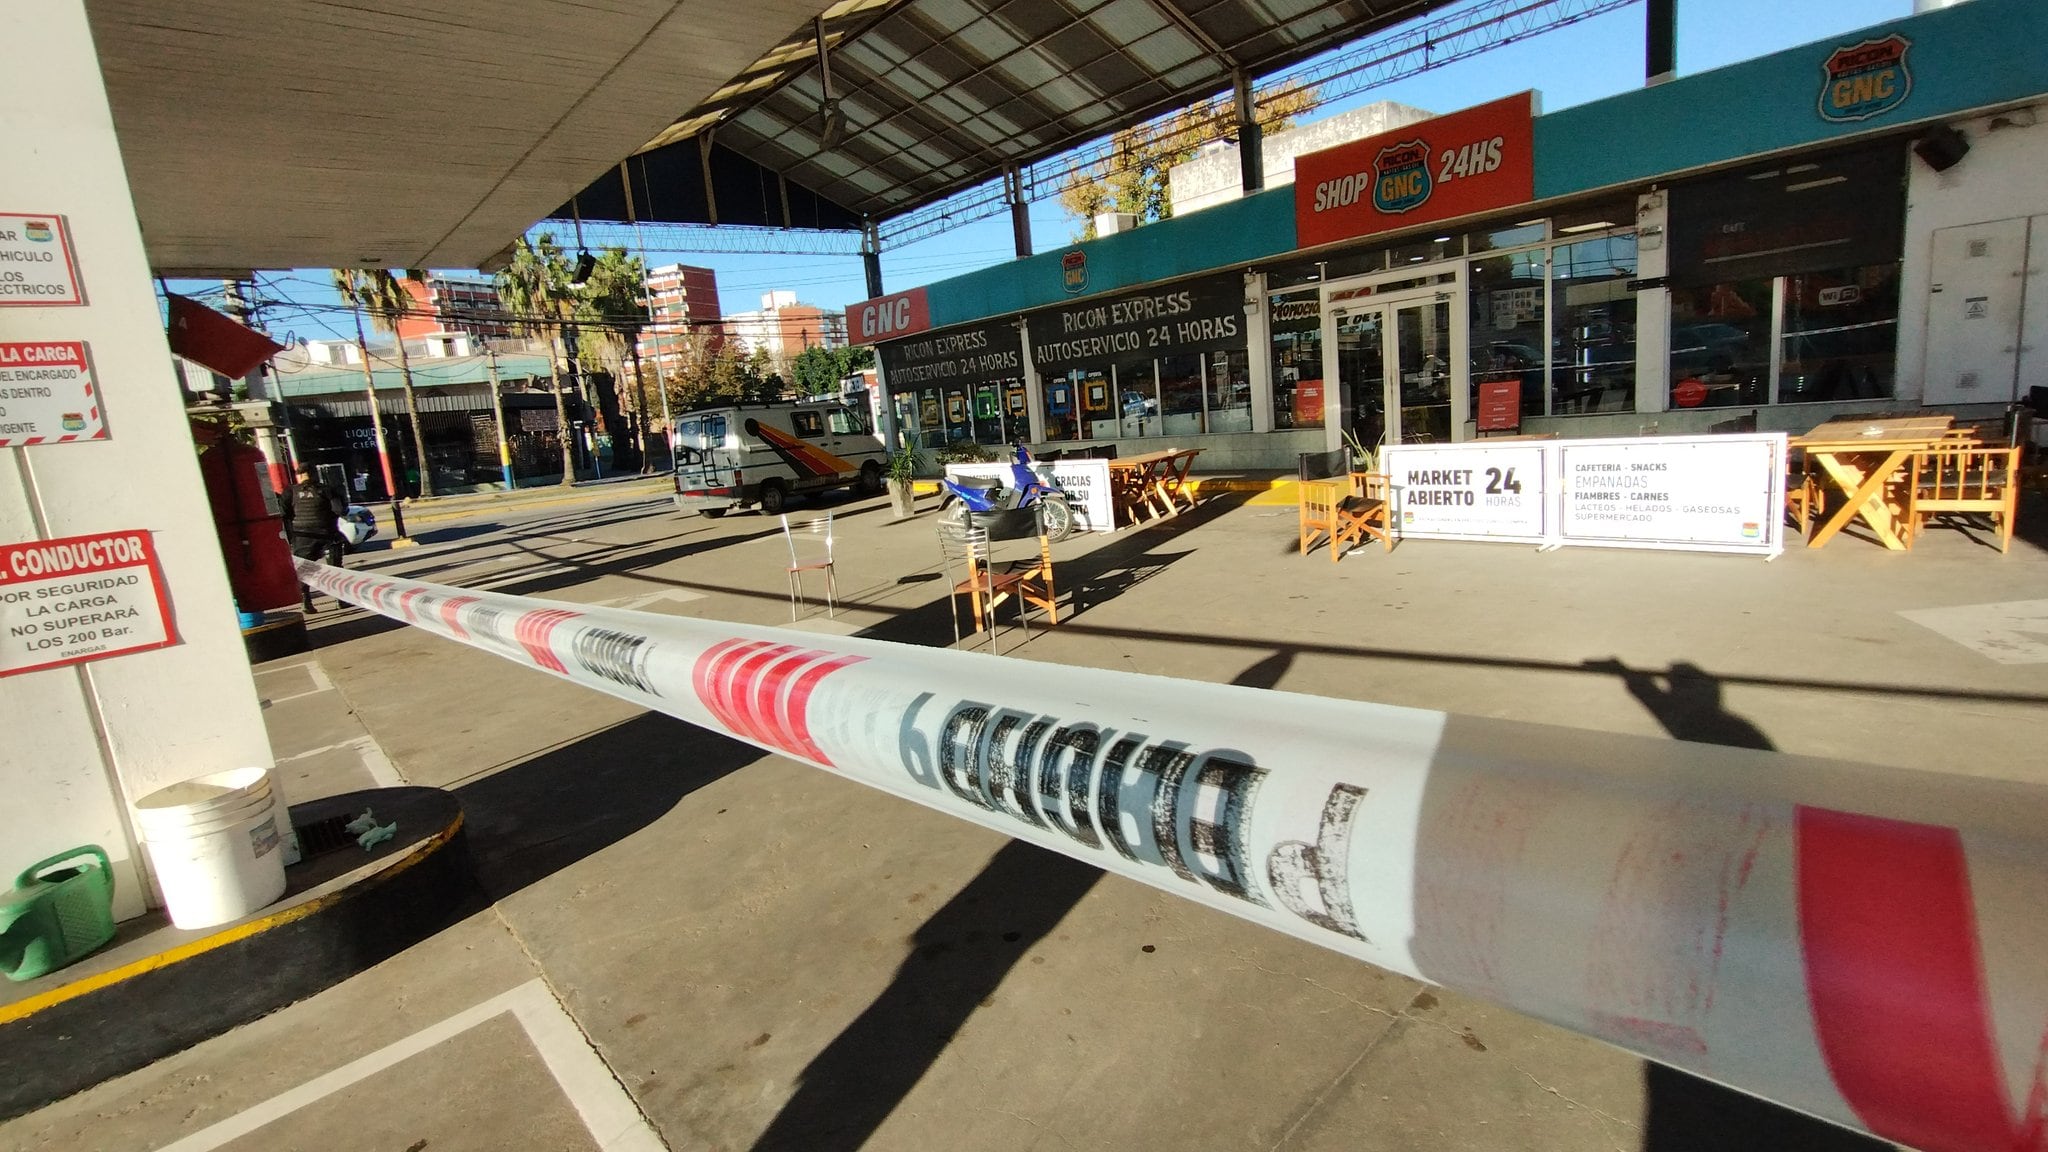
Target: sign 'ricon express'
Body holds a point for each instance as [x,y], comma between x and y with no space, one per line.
[1477,160]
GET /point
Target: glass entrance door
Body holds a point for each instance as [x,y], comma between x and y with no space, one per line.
[1420,359]
[1361,349]
[1395,344]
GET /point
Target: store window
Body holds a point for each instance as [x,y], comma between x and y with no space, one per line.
[1297,331]
[1181,399]
[1840,335]
[1721,344]
[1593,345]
[1229,399]
[1507,329]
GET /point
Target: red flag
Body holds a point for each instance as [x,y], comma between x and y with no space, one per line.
[204,336]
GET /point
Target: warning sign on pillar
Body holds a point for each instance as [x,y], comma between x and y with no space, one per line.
[80,598]
[47,395]
[36,264]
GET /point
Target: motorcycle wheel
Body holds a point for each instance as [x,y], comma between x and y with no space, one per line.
[1056,516]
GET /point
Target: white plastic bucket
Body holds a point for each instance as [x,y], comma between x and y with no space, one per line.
[215,843]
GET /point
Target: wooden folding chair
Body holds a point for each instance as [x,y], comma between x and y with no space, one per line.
[1364,513]
[1803,494]
[967,547]
[1034,584]
[1319,500]
[1949,481]
[813,554]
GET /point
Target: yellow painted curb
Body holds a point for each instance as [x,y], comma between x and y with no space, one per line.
[21,1009]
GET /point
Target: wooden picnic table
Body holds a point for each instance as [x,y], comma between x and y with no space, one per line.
[1861,457]
[1152,484]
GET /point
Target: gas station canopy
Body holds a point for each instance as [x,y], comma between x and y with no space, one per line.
[395,133]
[938,96]
[431,133]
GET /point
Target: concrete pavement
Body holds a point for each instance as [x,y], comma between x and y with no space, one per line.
[753,954]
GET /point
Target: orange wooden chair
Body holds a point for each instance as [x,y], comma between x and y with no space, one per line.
[1964,480]
[1034,581]
[984,587]
[1319,500]
[1804,498]
[1364,513]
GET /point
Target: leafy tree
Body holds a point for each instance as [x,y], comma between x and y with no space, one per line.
[378,292]
[713,371]
[818,370]
[1134,177]
[768,383]
[535,289]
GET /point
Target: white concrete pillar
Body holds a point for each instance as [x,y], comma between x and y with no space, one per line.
[1653,305]
[83,740]
[1258,343]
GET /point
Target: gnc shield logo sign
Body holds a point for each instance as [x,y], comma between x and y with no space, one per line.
[888,317]
[1477,160]
[1866,80]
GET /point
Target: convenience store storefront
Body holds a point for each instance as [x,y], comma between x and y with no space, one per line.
[1774,237]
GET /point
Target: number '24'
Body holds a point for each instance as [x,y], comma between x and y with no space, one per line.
[1471,160]
[1498,482]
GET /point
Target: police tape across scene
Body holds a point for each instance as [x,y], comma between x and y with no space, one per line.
[1864,944]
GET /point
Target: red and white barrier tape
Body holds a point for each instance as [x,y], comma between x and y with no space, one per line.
[1866,944]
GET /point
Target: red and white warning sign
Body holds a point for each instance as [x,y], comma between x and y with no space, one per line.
[36,264]
[47,394]
[80,598]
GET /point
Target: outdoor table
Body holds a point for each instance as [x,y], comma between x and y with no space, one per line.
[1152,483]
[1860,457]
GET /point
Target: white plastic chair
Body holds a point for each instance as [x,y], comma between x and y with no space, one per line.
[810,549]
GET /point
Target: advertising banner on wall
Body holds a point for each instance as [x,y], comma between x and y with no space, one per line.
[1718,493]
[1086,483]
[1477,160]
[993,351]
[1471,491]
[1686,493]
[1190,316]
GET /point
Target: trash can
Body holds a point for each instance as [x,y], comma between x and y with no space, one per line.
[56,915]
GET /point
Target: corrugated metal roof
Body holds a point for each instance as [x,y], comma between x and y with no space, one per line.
[303,379]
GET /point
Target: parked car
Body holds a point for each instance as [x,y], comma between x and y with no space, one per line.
[736,455]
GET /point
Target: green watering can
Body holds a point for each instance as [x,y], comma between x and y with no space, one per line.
[54,915]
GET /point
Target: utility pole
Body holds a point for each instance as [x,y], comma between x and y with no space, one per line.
[498,405]
[376,420]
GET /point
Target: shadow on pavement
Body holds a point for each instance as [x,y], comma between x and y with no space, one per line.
[957,960]
[1681,1112]
[537,817]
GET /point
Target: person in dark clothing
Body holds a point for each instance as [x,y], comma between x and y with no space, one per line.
[310,525]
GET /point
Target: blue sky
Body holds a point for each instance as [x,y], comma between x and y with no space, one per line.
[1587,61]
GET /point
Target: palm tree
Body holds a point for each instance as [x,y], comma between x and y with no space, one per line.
[344,280]
[535,290]
[611,313]
[378,292]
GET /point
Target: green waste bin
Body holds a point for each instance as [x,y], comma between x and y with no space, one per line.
[56,915]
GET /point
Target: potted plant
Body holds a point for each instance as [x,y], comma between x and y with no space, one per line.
[903,467]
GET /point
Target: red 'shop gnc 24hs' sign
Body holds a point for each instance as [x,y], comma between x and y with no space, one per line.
[80,598]
[1477,160]
[1862,943]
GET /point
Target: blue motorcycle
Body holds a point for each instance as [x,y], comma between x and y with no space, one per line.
[1021,505]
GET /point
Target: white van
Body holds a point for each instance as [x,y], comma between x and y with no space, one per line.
[737,455]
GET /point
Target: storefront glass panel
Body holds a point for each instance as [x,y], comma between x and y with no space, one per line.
[1137,385]
[1230,391]
[1297,328]
[1593,349]
[1362,375]
[1180,395]
[1840,335]
[1507,328]
[1721,344]
[1422,334]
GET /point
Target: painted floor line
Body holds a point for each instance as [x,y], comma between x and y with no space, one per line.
[602,1104]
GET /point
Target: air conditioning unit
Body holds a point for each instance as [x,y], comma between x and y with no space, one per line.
[1111,223]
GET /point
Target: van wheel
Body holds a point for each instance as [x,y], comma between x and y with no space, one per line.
[714,513]
[773,498]
[870,479]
